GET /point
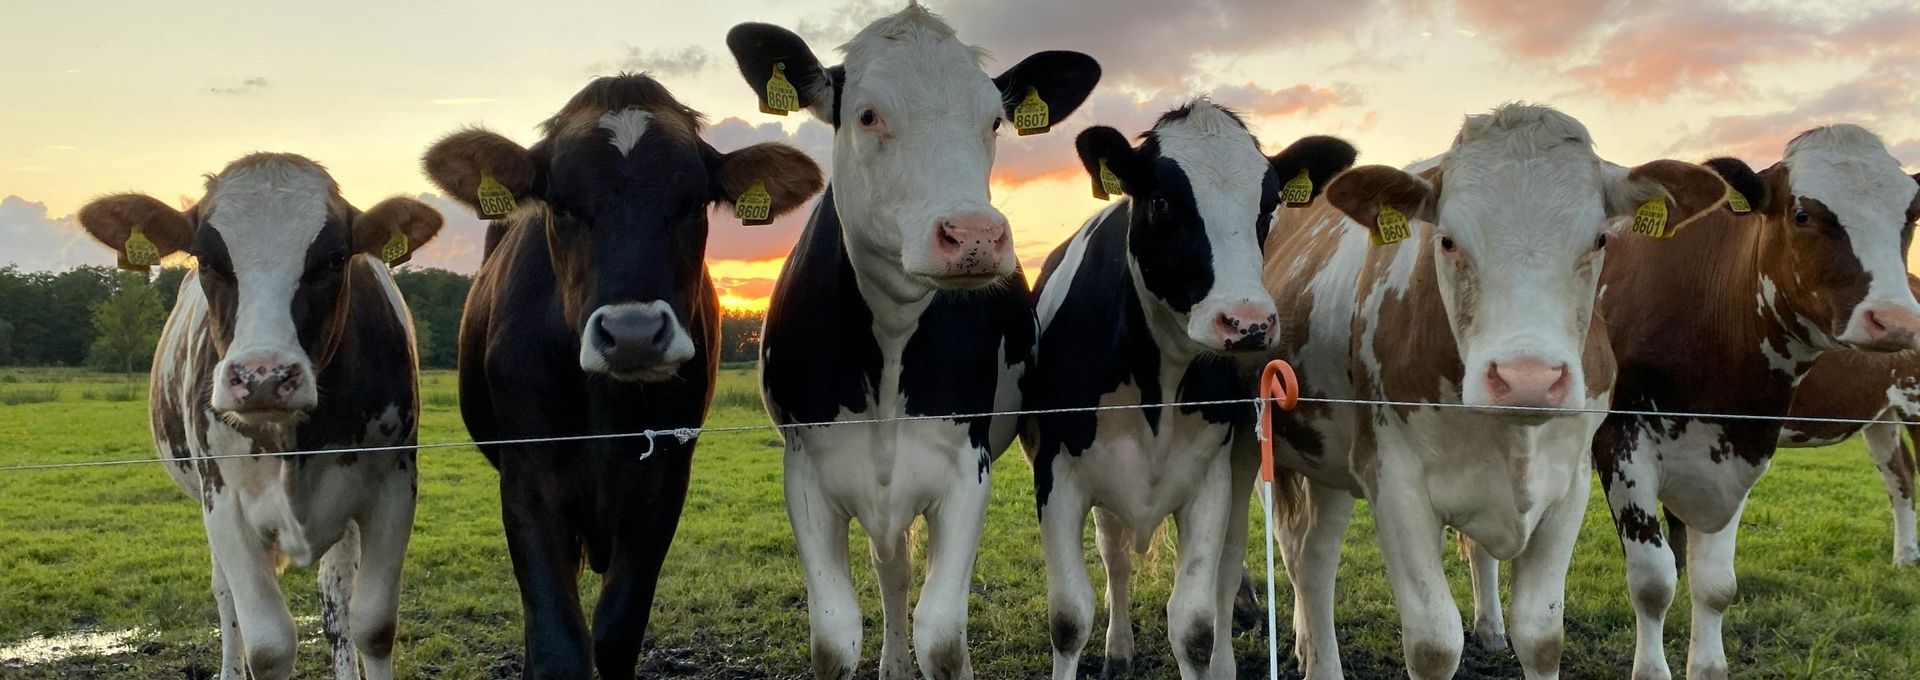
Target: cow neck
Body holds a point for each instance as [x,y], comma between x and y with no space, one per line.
[1166,329]
[896,298]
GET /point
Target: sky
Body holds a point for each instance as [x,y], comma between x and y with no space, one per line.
[103,96]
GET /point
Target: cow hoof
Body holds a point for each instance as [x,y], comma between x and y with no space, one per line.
[1496,642]
[1116,667]
[1907,558]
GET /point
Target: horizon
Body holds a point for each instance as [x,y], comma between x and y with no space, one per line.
[117,102]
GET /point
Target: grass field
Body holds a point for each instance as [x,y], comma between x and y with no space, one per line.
[118,551]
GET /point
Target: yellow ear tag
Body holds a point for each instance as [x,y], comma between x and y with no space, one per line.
[395,249]
[1390,226]
[1737,201]
[1109,183]
[754,207]
[1299,190]
[139,253]
[1651,219]
[781,97]
[1031,116]
[495,200]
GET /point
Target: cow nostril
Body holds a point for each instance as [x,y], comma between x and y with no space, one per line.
[1873,323]
[946,235]
[601,335]
[664,333]
[1496,384]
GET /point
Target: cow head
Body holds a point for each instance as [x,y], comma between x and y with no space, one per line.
[274,240]
[915,120]
[621,183]
[1523,210]
[1201,197]
[1844,213]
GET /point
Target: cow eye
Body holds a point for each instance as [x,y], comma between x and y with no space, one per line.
[1600,242]
[1447,244]
[869,119]
[996,125]
[338,262]
[1159,206]
[1800,217]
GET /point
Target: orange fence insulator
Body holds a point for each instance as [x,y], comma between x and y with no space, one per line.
[1279,388]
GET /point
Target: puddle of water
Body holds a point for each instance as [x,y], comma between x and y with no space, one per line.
[38,649]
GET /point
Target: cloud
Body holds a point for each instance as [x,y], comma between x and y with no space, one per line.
[727,239]
[461,239]
[463,101]
[1908,152]
[37,241]
[684,61]
[1875,98]
[828,30]
[1538,29]
[252,85]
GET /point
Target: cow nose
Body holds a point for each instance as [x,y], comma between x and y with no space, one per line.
[631,337]
[264,381]
[1527,381]
[1245,326]
[972,244]
[1890,326]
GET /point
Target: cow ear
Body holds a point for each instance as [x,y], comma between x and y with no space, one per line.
[787,175]
[112,219]
[1361,192]
[1689,191]
[1061,79]
[1321,157]
[462,162]
[758,48]
[1742,179]
[374,231]
[1100,144]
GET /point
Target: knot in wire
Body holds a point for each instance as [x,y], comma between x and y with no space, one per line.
[681,434]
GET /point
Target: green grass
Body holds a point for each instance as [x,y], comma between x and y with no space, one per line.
[119,547]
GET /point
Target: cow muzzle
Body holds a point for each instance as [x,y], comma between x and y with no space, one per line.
[1527,382]
[970,249]
[1883,327]
[1245,326]
[264,385]
[635,341]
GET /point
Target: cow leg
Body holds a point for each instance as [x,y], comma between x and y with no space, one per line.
[1193,611]
[1489,624]
[894,566]
[1411,541]
[1063,521]
[374,617]
[252,573]
[546,564]
[233,665]
[820,538]
[626,594]
[1894,459]
[337,569]
[1310,545]
[1711,580]
[954,524]
[1540,584]
[1651,571]
[1230,579]
[1115,539]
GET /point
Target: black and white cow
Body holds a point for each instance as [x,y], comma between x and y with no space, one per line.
[593,314]
[1146,305]
[287,337]
[902,298]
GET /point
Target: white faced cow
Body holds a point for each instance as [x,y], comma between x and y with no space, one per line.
[1484,300]
[1146,305]
[593,314]
[902,298]
[287,337]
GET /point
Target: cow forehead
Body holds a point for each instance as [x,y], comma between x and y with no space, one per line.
[1220,158]
[912,54]
[1849,170]
[1544,185]
[271,210]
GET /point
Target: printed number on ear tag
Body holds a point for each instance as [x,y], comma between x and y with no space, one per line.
[1109,183]
[1737,201]
[495,200]
[1390,226]
[754,207]
[396,249]
[1651,219]
[781,97]
[1031,116]
[139,253]
[1299,190]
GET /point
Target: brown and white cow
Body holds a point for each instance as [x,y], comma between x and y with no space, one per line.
[1486,301]
[1853,385]
[288,336]
[1726,317]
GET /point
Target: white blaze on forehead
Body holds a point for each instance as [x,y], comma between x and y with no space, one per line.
[1225,172]
[267,214]
[1848,169]
[625,128]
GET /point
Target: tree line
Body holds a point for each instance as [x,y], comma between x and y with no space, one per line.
[110,319]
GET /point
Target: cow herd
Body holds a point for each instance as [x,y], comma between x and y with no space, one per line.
[1461,328]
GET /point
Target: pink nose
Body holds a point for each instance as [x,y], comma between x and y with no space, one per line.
[1245,326]
[263,381]
[1890,326]
[1527,381]
[972,244]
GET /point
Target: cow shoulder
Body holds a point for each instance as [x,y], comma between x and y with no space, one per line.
[818,354]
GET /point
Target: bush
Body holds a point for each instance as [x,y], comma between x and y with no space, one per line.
[28,395]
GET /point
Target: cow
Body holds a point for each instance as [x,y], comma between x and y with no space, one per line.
[289,338]
[1465,281]
[1816,263]
[1147,304]
[901,306]
[1864,386]
[593,317]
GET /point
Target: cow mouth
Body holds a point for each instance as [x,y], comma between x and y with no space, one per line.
[963,281]
[263,417]
[644,374]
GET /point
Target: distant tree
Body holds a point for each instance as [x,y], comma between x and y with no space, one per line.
[167,282]
[6,341]
[127,323]
[740,335]
[437,297]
